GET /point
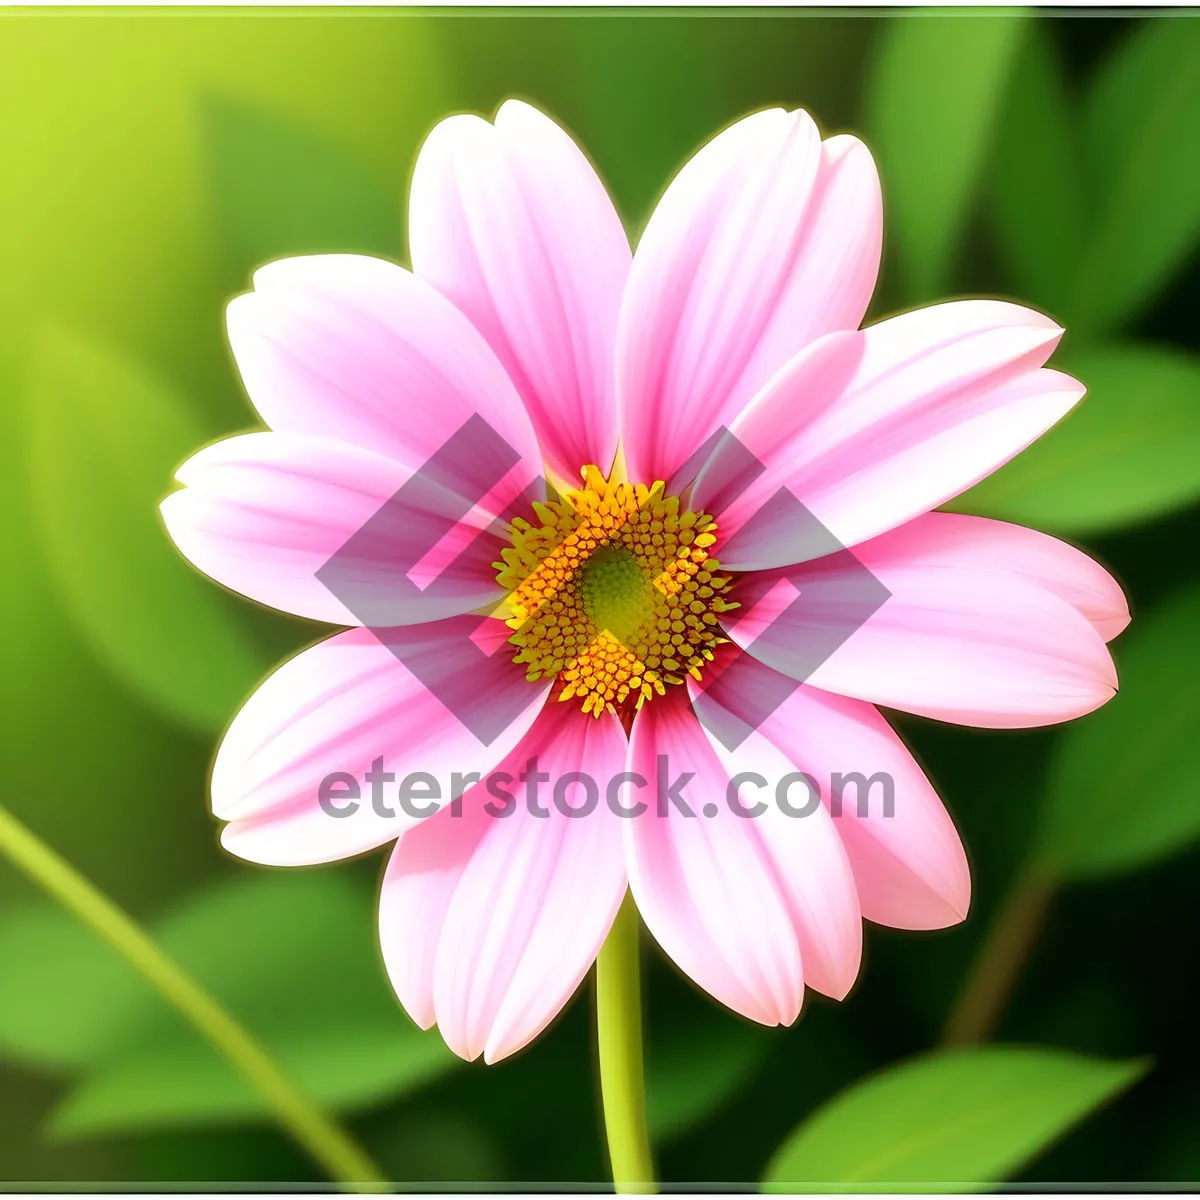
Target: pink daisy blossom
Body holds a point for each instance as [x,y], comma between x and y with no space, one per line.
[606,371]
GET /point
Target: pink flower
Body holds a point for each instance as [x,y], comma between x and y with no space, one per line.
[740,308]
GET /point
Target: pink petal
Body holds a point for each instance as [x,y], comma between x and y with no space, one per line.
[977,543]
[745,471]
[909,866]
[872,430]
[489,923]
[338,706]
[423,873]
[511,222]
[766,240]
[264,512]
[360,350]
[955,643]
[750,908]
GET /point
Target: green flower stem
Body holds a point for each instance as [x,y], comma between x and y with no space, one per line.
[1005,951]
[619,1034]
[328,1144]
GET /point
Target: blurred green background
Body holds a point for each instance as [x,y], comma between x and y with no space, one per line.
[152,158]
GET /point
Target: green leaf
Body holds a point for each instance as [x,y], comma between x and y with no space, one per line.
[1037,184]
[51,682]
[1141,130]
[294,957]
[176,1083]
[693,1068]
[62,990]
[1124,787]
[279,189]
[104,439]
[955,1119]
[1129,452]
[936,90]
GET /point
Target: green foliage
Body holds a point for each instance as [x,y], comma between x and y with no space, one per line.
[1178,1156]
[1036,178]
[437,1146]
[1096,209]
[637,157]
[960,1119]
[104,438]
[291,955]
[1124,786]
[934,97]
[278,189]
[63,992]
[1141,128]
[71,736]
[1129,452]
[176,1083]
[694,1067]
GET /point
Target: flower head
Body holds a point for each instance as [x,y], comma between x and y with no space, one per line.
[629,594]
[615,593]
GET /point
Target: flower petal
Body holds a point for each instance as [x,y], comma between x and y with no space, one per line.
[263,514]
[740,480]
[360,350]
[488,923]
[751,908]
[910,869]
[952,642]
[868,431]
[979,543]
[340,705]
[511,222]
[766,240]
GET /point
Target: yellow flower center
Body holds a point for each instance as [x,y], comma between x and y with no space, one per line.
[614,593]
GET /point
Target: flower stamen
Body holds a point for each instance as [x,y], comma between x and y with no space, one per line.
[613,593]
